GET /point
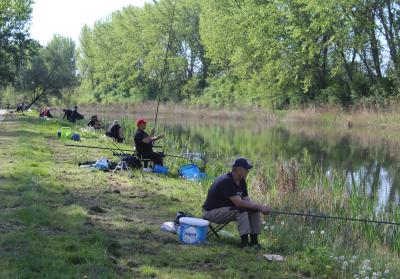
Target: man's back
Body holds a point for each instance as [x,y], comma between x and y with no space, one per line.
[222,189]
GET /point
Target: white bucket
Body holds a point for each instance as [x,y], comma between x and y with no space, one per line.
[192,230]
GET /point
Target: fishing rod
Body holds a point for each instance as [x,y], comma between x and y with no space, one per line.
[94,147]
[108,147]
[116,147]
[333,217]
[165,68]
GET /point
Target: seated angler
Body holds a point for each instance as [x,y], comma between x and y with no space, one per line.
[94,122]
[144,143]
[75,115]
[227,200]
[67,113]
[115,132]
[45,113]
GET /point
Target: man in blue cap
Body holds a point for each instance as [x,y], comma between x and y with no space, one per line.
[227,200]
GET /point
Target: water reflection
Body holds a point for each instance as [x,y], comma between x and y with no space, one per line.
[368,166]
[366,160]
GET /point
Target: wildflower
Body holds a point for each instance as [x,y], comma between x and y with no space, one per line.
[263,222]
[282,223]
[369,268]
[366,277]
[354,258]
[322,232]
[272,228]
[341,258]
[331,257]
[265,227]
[312,232]
[352,261]
[386,272]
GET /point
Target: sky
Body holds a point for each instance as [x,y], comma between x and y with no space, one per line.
[67,17]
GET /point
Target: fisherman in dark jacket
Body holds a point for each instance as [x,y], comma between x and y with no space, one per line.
[115,132]
[94,122]
[75,115]
[144,143]
[67,113]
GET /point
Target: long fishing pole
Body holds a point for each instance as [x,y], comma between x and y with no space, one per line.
[333,217]
[113,144]
[94,147]
[165,68]
[110,148]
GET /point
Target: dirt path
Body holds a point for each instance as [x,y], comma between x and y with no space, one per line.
[2,113]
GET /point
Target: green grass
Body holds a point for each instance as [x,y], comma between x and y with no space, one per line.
[50,230]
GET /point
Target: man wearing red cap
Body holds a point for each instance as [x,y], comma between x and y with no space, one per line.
[144,143]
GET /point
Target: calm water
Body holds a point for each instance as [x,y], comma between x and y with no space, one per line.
[367,162]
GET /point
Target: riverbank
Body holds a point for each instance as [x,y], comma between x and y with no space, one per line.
[375,118]
[62,221]
[59,217]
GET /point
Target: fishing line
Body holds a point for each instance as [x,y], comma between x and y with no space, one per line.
[333,217]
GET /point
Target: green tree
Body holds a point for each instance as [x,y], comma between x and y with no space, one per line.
[51,70]
[14,37]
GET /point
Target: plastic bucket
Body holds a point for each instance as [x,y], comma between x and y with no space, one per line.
[66,132]
[191,172]
[160,169]
[192,230]
[76,137]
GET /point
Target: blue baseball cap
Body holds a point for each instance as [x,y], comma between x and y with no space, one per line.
[242,162]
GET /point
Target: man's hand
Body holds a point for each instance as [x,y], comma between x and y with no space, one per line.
[264,209]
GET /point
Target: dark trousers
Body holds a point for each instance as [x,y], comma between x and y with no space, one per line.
[156,157]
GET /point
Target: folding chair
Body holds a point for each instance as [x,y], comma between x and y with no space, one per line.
[215,228]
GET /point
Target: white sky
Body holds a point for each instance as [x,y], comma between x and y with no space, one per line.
[67,17]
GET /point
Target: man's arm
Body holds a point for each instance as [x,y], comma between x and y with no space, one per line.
[247,203]
[152,138]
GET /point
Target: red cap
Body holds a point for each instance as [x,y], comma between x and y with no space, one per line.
[140,122]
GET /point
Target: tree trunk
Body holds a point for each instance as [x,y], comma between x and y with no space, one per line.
[36,98]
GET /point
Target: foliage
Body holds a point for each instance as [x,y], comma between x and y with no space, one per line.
[50,71]
[266,53]
[15,44]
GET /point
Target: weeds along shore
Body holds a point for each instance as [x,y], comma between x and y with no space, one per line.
[57,216]
[361,116]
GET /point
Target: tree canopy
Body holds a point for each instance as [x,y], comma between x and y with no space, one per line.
[14,37]
[50,70]
[276,52]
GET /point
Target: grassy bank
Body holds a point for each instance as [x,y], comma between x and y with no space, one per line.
[62,221]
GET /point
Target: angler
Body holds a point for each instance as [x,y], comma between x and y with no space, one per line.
[144,143]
